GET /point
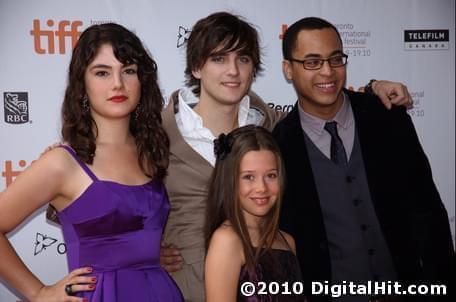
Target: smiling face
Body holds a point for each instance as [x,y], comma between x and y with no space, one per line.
[113,89]
[259,184]
[225,78]
[319,91]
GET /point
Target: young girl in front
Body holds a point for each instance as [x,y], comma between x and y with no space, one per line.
[243,239]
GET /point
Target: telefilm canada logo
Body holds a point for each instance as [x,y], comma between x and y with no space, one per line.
[427,39]
[16,107]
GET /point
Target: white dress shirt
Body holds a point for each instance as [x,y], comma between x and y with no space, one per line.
[200,138]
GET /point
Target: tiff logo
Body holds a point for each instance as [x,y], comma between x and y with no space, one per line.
[61,33]
[16,107]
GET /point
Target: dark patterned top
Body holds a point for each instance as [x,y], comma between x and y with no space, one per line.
[276,266]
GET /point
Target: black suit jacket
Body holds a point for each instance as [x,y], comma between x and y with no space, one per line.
[411,214]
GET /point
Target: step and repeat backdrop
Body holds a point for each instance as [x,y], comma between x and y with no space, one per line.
[410,41]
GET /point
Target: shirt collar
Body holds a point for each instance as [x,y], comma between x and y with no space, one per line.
[343,115]
[190,119]
[188,100]
[244,108]
[316,124]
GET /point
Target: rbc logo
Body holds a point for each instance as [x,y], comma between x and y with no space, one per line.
[16,107]
[61,33]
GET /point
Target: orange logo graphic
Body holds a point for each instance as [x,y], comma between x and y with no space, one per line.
[284,29]
[9,174]
[61,33]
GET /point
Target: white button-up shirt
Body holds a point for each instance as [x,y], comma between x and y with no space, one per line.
[191,126]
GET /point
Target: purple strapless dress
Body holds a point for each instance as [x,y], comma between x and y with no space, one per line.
[116,229]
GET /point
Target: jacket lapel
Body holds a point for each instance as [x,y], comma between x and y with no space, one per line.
[370,139]
[178,147]
[304,196]
[301,212]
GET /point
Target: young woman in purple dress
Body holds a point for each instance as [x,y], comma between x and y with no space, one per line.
[106,181]
[244,243]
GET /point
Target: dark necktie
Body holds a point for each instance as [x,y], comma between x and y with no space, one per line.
[338,155]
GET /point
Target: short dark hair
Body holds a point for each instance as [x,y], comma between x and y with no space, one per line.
[223,32]
[309,23]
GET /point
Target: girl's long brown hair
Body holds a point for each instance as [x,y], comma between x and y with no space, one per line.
[223,200]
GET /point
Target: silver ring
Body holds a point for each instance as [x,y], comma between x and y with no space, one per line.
[69,290]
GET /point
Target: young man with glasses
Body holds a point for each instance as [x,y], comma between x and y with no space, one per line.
[357,211]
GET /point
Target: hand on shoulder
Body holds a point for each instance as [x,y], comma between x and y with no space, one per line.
[51,147]
[390,93]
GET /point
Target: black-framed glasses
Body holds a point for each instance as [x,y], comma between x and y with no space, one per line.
[316,63]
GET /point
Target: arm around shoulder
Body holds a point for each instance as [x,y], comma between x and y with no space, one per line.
[428,215]
[223,265]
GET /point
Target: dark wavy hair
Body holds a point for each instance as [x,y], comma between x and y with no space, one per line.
[223,200]
[79,129]
[218,34]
